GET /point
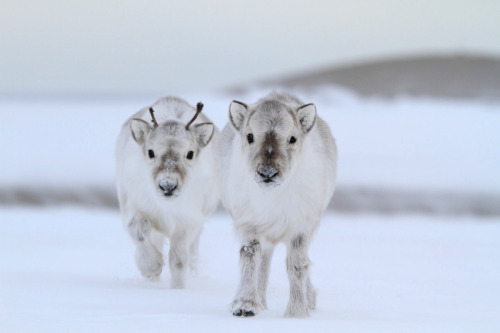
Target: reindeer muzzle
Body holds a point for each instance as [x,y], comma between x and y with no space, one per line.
[167,186]
[267,173]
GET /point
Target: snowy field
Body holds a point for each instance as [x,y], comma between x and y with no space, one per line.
[72,270]
[67,267]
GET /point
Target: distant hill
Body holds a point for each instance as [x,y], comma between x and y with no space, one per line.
[456,77]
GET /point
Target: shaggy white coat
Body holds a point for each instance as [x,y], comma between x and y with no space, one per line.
[290,210]
[148,215]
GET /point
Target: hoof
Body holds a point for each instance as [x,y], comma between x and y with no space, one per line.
[150,263]
[241,313]
[152,273]
[246,307]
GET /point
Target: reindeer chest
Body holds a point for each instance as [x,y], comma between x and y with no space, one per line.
[276,213]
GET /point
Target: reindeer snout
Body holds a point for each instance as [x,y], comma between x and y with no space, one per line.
[267,172]
[167,186]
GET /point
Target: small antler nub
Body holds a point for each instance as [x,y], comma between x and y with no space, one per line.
[199,107]
[153,117]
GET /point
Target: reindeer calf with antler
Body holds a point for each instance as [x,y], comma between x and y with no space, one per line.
[166,184]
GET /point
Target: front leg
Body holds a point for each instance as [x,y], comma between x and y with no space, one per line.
[311,294]
[264,269]
[297,265]
[178,259]
[148,257]
[247,301]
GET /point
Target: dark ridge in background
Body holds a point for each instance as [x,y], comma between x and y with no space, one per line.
[345,200]
[462,77]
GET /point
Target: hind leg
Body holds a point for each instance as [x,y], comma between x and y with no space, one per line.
[148,257]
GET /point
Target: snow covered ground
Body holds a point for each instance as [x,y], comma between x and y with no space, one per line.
[72,270]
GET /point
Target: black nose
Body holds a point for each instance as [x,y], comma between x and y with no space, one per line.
[168,188]
[267,172]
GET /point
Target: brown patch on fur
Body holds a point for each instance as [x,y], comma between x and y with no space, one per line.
[173,167]
[298,242]
[269,150]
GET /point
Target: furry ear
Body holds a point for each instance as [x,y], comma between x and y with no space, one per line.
[204,133]
[139,129]
[237,113]
[307,117]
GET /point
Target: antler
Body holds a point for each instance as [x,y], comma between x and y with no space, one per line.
[199,107]
[153,117]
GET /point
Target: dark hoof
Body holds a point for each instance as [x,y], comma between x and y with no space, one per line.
[241,313]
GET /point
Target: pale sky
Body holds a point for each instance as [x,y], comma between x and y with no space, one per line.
[99,46]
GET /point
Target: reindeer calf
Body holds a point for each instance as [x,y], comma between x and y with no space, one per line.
[166,184]
[277,167]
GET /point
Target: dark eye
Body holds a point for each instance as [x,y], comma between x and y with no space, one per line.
[250,138]
[293,140]
[151,153]
[189,156]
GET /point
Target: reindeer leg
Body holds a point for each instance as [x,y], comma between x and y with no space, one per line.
[194,252]
[247,301]
[297,264]
[264,269]
[311,294]
[178,259]
[148,258]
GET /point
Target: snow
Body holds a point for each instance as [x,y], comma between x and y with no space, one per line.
[73,270]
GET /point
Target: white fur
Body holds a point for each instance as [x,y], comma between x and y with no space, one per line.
[288,212]
[148,215]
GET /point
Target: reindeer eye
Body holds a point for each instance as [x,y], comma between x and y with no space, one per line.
[189,156]
[250,138]
[151,153]
[293,140]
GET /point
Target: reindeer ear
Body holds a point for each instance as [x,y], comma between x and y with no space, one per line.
[139,129]
[307,117]
[237,113]
[204,133]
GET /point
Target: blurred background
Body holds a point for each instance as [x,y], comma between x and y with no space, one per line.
[411,90]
